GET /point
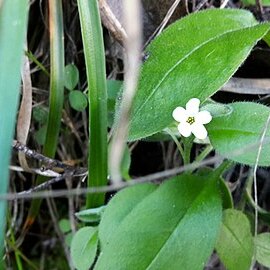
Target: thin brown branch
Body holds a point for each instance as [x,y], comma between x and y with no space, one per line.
[247,86]
[149,178]
[111,22]
[132,64]
[48,163]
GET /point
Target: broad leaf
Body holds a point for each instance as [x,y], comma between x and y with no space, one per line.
[237,135]
[226,196]
[191,59]
[115,214]
[84,247]
[235,243]
[262,244]
[172,226]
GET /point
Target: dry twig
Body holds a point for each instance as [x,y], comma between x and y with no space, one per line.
[132,9]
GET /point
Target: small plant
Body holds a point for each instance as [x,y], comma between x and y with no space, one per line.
[179,223]
[174,219]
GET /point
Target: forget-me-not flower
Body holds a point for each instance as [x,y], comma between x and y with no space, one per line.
[192,120]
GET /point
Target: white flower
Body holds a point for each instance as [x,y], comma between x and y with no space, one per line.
[191,120]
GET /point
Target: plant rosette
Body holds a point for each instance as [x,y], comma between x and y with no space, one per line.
[192,120]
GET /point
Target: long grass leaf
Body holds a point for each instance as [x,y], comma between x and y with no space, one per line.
[96,77]
[56,93]
[13,18]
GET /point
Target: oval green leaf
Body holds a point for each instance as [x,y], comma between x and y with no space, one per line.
[71,76]
[40,114]
[78,100]
[237,135]
[64,225]
[235,243]
[262,245]
[173,226]
[84,247]
[182,65]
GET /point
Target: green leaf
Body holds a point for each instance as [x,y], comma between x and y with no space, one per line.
[13,25]
[64,225]
[94,54]
[71,76]
[68,239]
[182,65]
[226,196]
[253,2]
[227,200]
[115,214]
[232,135]
[235,243]
[125,165]
[78,100]
[217,109]
[262,245]
[40,134]
[172,226]
[56,98]
[84,247]
[40,114]
[90,215]
[113,88]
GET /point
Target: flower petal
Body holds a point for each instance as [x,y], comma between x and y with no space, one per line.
[179,114]
[184,129]
[199,131]
[192,106]
[203,117]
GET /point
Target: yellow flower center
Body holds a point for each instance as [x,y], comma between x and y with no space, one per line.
[191,120]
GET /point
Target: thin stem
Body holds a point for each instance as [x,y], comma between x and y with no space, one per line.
[204,153]
[255,183]
[178,144]
[187,149]
[13,244]
[132,10]
[223,167]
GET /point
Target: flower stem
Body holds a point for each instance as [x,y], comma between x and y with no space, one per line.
[204,153]
[178,144]
[223,167]
[187,142]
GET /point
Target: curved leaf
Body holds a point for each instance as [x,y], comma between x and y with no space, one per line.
[13,25]
[172,226]
[262,244]
[237,136]
[235,244]
[116,214]
[182,65]
[84,247]
[92,215]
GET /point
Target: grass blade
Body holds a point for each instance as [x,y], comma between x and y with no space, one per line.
[96,76]
[13,17]
[56,93]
